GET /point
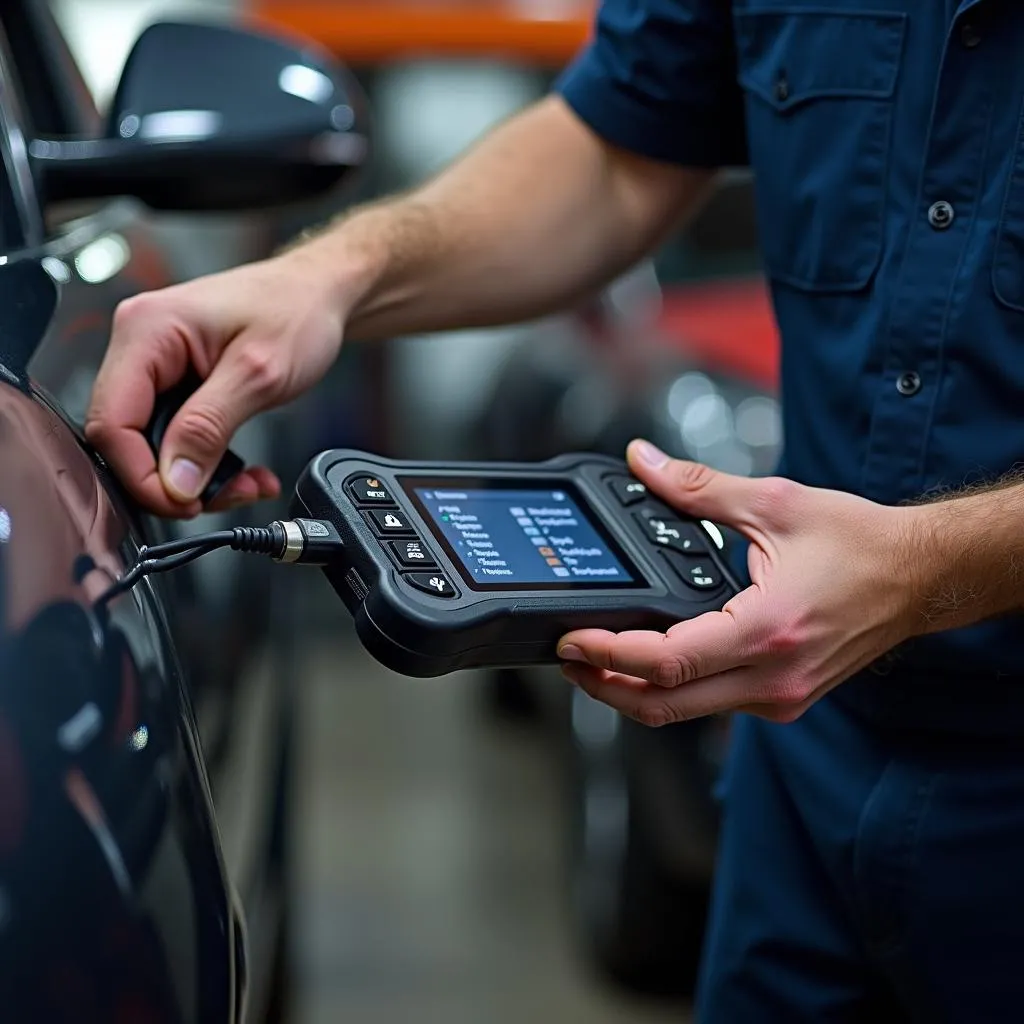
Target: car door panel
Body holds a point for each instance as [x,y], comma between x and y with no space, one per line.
[124,251]
[185,724]
[121,899]
[144,874]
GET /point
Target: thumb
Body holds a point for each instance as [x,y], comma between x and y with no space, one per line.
[201,431]
[695,489]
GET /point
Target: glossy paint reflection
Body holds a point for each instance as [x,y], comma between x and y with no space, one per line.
[113,901]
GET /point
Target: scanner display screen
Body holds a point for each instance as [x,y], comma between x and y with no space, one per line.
[504,536]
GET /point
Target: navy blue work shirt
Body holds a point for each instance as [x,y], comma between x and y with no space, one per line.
[887,144]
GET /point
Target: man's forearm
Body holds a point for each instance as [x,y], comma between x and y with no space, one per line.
[537,215]
[967,554]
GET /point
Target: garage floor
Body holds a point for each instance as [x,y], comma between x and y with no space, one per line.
[430,882]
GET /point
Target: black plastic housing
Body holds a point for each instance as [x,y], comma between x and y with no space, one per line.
[417,634]
[165,408]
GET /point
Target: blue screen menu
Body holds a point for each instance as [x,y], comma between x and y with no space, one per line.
[522,538]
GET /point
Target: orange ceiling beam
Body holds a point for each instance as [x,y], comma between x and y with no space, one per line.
[370,32]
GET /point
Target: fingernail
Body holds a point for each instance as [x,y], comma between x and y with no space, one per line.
[570,653]
[648,454]
[186,478]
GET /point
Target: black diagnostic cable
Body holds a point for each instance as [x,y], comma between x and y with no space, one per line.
[293,541]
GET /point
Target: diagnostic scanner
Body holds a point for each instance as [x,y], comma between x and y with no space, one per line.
[466,565]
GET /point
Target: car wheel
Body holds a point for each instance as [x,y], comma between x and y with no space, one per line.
[637,923]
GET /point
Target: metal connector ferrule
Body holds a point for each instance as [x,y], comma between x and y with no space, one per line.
[295,543]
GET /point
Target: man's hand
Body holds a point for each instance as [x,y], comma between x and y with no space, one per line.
[835,586]
[259,336]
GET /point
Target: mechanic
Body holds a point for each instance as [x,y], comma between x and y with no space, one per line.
[870,862]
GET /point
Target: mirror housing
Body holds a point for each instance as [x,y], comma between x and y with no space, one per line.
[209,117]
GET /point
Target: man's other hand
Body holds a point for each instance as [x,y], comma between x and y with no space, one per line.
[833,588]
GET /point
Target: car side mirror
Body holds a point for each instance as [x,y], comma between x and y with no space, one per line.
[210,117]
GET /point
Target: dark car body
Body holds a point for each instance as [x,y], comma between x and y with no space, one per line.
[123,896]
[116,899]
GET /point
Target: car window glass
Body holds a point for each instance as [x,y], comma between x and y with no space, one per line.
[57,101]
[45,96]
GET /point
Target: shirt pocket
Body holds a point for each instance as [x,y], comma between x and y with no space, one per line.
[819,88]
[1008,262]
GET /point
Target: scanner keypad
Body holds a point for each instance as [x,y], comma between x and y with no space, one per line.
[684,545]
[413,558]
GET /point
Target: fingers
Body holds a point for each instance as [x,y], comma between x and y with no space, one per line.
[155,338]
[147,354]
[254,485]
[707,645]
[705,493]
[128,454]
[247,380]
[655,706]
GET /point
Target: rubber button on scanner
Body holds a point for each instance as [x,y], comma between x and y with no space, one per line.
[627,490]
[674,534]
[656,510]
[411,553]
[368,490]
[435,583]
[389,521]
[699,573]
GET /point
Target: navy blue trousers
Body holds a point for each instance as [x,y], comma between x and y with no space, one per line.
[866,877]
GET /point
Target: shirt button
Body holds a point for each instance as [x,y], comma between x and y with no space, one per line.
[940,215]
[969,35]
[782,87]
[909,383]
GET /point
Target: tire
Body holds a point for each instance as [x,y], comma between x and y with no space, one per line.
[639,925]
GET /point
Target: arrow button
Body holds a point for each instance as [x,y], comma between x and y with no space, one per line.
[698,573]
[674,534]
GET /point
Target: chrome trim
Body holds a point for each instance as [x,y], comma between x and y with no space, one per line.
[295,543]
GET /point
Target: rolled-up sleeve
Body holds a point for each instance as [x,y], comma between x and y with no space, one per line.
[659,79]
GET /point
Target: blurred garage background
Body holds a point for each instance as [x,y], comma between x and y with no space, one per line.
[482,847]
